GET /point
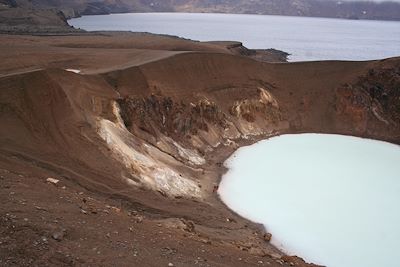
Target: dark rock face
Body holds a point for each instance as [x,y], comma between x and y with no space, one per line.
[374,97]
[189,120]
[26,20]
[9,3]
[264,55]
[20,16]
[383,86]
[177,119]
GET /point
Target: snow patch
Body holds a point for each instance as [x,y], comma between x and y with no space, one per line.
[74,70]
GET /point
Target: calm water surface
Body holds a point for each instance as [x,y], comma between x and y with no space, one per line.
[305,38]
[331,199]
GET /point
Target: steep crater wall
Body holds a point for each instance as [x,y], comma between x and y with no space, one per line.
[163,129]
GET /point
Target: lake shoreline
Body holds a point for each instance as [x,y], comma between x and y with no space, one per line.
[307,43]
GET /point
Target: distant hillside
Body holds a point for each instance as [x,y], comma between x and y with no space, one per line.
[310,8]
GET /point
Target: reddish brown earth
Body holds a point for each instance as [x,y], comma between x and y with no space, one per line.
[137,142]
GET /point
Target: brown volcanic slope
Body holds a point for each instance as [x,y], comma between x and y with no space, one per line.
[138,140]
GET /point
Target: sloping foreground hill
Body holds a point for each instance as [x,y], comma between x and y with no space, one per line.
[138,150]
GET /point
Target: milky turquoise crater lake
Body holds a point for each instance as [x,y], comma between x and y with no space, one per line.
[306,39]
[333,200]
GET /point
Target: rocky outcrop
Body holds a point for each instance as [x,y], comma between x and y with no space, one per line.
[265,55]
[382,85]
[374,97]
[16,20]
